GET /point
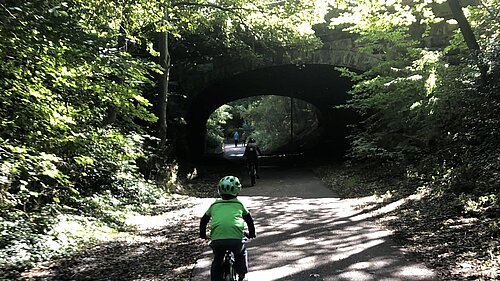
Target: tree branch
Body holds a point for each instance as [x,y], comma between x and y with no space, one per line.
[468,34]
[5,8]
[211,5]
[11,14]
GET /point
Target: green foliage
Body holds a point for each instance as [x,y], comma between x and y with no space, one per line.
[246,32]
[75,80]
[27,240]
[258,116]
[58,84]
[61,78]
[480,204]
[428,110]
[215,126]
[263,113]
[417,105]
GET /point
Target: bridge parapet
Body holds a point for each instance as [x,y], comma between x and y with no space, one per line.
[341,52]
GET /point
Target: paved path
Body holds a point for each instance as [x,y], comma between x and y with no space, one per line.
[305,233]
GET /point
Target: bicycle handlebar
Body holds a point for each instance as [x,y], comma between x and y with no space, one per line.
[245,235]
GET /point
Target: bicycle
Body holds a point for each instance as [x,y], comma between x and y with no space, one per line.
[228,271]
[252,172]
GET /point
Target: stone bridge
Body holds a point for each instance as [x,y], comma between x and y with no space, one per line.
[309,76]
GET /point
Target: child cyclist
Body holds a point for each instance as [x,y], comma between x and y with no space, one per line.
[228,215]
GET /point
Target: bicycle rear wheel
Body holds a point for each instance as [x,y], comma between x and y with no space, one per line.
[229,274]
[232,273]
[252,173]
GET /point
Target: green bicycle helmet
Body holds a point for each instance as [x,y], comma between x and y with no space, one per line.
[229,185]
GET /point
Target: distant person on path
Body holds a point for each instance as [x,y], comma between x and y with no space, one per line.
[236,138]
[228,217]
[252,152]
[243,138]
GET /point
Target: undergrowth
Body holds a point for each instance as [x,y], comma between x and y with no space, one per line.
[31,238]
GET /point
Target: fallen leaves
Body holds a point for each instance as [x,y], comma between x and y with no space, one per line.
[153,251]
[458,244]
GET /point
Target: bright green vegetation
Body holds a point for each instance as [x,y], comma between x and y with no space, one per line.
[263,115]
[434,114]
[69,137]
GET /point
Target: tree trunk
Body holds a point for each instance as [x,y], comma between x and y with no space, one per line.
[163,95]
[468,35]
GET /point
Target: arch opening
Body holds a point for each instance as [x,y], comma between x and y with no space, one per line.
[280,124]
[322,86]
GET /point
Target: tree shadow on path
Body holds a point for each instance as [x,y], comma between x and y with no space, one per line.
[166,252]
[315,236]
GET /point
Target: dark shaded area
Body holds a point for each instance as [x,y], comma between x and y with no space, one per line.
[319,85]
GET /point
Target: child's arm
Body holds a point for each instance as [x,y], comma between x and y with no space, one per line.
[203,226]
[251,227]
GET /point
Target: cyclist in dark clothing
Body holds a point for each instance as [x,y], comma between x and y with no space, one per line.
[252,152]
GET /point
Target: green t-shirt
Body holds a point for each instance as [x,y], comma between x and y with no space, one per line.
[227,219]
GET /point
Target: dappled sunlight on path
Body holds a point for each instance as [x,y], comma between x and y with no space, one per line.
[316,236]
[300,238]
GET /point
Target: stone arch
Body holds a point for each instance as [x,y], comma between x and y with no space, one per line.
[320,85]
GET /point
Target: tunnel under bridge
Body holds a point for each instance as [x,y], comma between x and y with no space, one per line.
[318,84]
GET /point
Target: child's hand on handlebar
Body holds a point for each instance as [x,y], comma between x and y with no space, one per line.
[250,235]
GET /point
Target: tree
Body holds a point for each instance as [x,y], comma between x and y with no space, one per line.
[417,96]
[64,75]
[61,74]
[468,35]
[201,31]
[165,63]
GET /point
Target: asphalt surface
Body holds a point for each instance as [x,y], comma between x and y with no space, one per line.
[304,232]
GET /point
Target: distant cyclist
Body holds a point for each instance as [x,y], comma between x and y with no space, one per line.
[228,216]
[252,152]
